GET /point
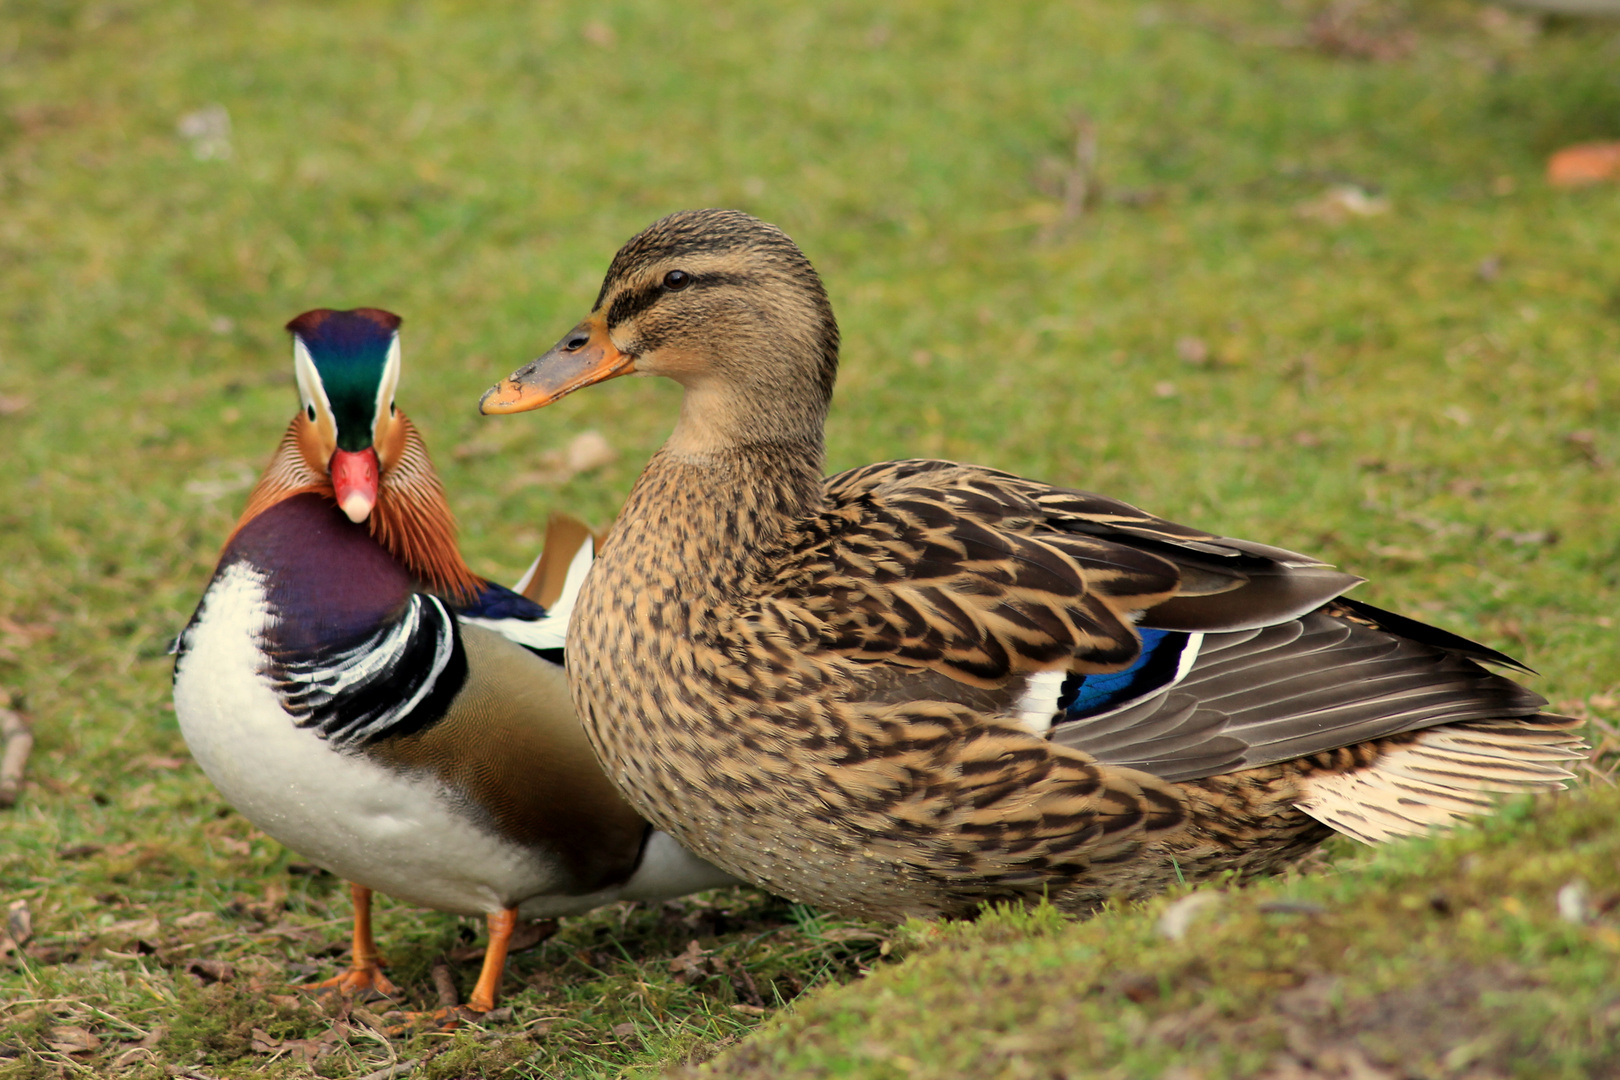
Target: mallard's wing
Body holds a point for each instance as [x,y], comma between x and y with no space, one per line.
[985,577]
[1137,641]
[1227,701]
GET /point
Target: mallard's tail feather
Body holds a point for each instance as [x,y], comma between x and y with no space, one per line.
[1444,774]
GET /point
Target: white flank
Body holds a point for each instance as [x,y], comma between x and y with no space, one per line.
[396,833]
[667,869]
[392,832]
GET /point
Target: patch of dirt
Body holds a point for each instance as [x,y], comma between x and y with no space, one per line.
[1446,1026]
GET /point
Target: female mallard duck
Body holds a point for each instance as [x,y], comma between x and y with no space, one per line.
[355,691]
[919,685]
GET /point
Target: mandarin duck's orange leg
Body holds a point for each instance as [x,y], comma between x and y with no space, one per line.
[501,925]
[365,968]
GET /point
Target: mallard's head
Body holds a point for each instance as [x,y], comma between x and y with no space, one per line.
[721,302]
[348,369]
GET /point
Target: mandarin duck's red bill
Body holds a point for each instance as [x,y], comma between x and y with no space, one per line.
[354,689]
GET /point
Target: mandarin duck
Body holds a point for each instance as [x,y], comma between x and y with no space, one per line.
[918,686]
[360,695]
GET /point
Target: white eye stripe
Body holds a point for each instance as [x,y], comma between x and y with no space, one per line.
[310,387]
[387,385]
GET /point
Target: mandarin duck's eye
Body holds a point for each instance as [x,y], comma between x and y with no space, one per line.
[676,280]
[391,410]
[310,409]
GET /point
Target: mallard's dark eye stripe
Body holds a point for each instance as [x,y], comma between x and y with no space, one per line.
[628,305]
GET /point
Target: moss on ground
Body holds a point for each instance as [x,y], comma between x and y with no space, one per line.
[1494,953]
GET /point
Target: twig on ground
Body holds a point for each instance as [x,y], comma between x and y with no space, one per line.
[444,984]
[17,737]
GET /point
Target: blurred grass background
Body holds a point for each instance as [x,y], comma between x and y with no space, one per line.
[1317,295]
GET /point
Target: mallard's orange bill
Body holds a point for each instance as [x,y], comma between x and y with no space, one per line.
[585,355]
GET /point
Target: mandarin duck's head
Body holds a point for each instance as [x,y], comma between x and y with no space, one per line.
[348,370]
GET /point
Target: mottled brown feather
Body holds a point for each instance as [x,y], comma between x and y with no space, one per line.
[811,683]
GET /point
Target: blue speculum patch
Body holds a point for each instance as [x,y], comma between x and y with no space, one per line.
[1088,695]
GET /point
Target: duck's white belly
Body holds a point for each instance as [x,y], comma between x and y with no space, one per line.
[392,832]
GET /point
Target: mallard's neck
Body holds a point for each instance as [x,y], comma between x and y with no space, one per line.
[730,411]
[713,523]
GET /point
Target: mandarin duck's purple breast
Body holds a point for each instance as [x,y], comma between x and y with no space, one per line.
[328,581]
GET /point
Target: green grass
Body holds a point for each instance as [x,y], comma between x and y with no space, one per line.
[1429,396]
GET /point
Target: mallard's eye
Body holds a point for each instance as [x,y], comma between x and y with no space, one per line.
[677,280]
[310,409]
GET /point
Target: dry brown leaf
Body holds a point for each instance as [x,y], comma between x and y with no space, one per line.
[131,929]
[1341,203]
[135,1055]
[25,633]
[1193,351]
[1584,164]
[211,971]
[72,1039]
[78,851]
[19,922]
[693,965]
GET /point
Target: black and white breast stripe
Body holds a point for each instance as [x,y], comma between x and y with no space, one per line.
[394,682]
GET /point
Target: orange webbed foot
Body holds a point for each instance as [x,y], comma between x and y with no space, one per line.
[360,980]
[364,977]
